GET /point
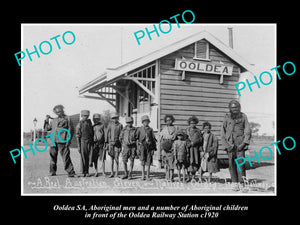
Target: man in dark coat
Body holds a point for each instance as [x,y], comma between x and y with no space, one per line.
[98,151]
[235,137]
[61,121]
[85,138]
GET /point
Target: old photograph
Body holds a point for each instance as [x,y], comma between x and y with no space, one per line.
[148,109]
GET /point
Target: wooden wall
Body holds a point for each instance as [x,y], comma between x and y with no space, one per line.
[199,94]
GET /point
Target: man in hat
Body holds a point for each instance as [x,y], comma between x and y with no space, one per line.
[146,145]
[98,150]
[85,136]
[61,121]
[235,137]
[128,140]
[113,138]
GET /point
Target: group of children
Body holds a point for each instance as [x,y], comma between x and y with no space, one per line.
[94,140]
[189,150]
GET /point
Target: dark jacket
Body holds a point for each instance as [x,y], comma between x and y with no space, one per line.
[146,135]
[113,132]
[235,131]
[211,146]
[57,124]
[195,136]
[84,130]
[128,135]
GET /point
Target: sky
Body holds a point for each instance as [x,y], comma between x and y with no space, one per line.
[55,78]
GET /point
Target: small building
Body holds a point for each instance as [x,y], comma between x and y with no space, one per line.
[194,76]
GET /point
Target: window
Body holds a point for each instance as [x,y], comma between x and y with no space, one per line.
[145,83]
[201,50]
[144,103]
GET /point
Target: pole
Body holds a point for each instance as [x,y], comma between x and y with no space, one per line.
[34,134]
[121,45]
[230,33]
[34,130]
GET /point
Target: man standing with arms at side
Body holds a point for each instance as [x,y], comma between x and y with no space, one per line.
[85,136]
[113,139]
[61,121]
[235,137]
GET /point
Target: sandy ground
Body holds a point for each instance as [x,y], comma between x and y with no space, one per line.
[36,179]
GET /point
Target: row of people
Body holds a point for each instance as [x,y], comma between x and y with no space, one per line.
[180,149]
[190,150]
[94,141]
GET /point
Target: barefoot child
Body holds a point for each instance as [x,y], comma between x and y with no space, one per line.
[84,135]
[181,153]
[114,145]
[128,140]
[146,145]
[210,148]
[167,137]
[194,142]
[98,150]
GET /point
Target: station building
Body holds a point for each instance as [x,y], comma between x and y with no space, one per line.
[193,76]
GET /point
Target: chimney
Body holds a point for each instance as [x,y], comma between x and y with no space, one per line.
[230,37]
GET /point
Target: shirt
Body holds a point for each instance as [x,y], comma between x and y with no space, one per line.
[168,132]
[128,135]
[84,130]
[210,146]
[235,131]
[56,125]
[205,139]
[194,135]
[114,131]
[99,135]
[145,134]
[180,149]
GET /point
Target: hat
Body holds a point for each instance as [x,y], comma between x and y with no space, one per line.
[179,132]
[234,102]
[97,115]
[114,115]
[129,119]
[85,112]
[145,117]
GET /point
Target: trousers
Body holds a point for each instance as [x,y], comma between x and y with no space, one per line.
[235,174]
[65,154]
[85,155]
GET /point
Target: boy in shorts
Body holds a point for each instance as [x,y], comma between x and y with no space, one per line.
[98,151]
[146,145]
[114,145]
[128,140]
[181,153]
